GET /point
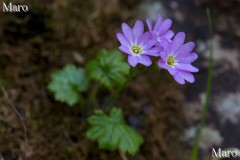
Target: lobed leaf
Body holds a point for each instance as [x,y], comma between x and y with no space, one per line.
[67,83]
[109,68]
[111,132]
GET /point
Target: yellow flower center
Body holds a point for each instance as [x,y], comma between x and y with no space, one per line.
[170,61]
[136,50]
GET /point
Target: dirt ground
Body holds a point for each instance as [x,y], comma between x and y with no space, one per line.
[54,33]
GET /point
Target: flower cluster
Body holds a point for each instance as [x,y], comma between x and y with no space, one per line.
[159,41]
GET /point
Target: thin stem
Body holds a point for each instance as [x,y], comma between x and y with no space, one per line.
[194,153]
[81,100]
[119,90]
[94,93]
[123,156]
[91,101]
[20,118]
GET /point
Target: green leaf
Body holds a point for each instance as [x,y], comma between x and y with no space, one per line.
[67,83]
[111,132]
[109,68]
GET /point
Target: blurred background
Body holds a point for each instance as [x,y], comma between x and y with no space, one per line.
[53,33]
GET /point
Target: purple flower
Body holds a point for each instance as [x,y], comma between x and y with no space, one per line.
[161,30]
[137,44]
[177,58]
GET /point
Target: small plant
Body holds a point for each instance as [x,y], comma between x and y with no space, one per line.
[111,132]
[109,70]
[67,83]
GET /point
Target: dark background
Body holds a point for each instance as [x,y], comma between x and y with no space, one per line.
[57,32]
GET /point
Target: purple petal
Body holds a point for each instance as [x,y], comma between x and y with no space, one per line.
[143,59]
[186,67]
[163,55]
[186,48]
[158,23]
[144,38]
[125,49]
[153,52]
[127,31]
[160,45]
[122,39]
[149,44]
[154,35]
[166,24]
[162,64]
[188,58]
[168,35]
[172,71]
[177,41]
[166,45]
[138,30]
[188,76]
[132,60]
[149,24]
[179,79]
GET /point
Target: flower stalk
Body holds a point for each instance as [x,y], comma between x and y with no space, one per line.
[195,149]
[119,90]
